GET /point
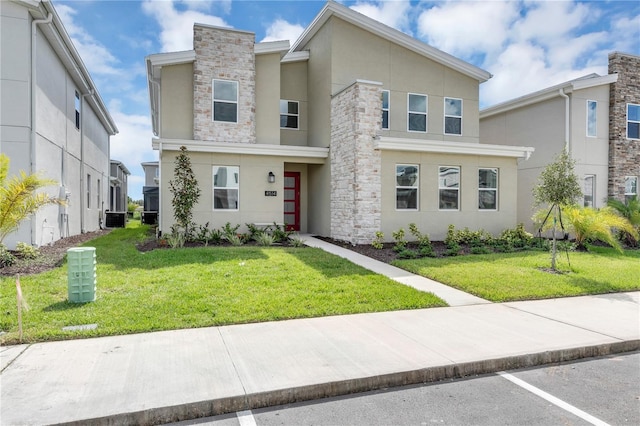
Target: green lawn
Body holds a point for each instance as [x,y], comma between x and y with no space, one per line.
[197,287]
[521,276]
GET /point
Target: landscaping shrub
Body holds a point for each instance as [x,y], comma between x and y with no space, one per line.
[26,251]
[6,258]
[378,241]
[401,243]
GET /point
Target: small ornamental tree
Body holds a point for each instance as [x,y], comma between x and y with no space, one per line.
[557,187]
[19,197]
[186,193]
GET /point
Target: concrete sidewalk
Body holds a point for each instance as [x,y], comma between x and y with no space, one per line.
[175,375]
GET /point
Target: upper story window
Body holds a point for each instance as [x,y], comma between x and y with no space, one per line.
[288,114]
[385,109]
[592,109]
[589,190]
[407,182]
[449,187]
[488,189]
[630,187]
[225,101]
[452,116]
[417,113]
[77,106]
[226,187]
[633,121]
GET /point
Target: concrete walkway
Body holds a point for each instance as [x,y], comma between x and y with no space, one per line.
[175,375]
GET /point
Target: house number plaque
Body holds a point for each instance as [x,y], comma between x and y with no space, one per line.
[270,193]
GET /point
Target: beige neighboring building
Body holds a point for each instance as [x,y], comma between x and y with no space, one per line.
[594,117]
[353,129]
[52,121]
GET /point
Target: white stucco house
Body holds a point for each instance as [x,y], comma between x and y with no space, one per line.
[52,121]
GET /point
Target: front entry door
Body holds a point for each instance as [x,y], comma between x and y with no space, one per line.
[292,200]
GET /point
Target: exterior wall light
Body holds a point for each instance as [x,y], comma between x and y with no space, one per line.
[271,178]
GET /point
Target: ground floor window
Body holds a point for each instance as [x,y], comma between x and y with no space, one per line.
[630,187]
[226,187]
[407,186]
[449,187]
[488,189]
[589,190]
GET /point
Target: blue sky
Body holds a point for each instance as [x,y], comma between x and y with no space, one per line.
[527,45]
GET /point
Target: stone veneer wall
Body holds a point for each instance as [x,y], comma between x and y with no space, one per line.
[624,154]
[226,54]
[355,164]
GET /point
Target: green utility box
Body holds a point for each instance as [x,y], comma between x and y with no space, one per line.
[82,274]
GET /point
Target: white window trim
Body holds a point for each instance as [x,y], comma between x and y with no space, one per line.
[444,119]
[496,189]
[426,113]
[625,185]
[214,187]
[627,121]
[213,101]
[293,115]
[448,188]
[593,189]
[596,120]
[88,191]
[417,188]
[388,109]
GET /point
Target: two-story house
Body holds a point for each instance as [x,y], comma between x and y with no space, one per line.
[151,191]
[355,128]
[52,121]
[595,118]
[119,187]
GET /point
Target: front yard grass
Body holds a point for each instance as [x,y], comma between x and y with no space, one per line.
[523,276]
[198,287]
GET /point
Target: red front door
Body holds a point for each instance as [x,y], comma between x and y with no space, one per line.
[292,200]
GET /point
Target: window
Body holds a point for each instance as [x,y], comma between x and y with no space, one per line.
[385,109]
[488,189]
[592,107]
[225,101]
[288,114]
[452,116]
[407,180]
[417,116]
[630,187]
[77,105]
[88,191]
[226,187]
[589,190]
[449,186]
[98,190]
[633,121]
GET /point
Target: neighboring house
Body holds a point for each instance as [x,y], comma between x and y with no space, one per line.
[354,129]
[151,191]
[579,116]
[118,191]
[53,120]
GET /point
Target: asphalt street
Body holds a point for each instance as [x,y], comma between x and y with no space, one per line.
[600,391]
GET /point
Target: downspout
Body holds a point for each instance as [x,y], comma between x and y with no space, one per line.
[567,132]
[156,117]
[83,177]
[32,95]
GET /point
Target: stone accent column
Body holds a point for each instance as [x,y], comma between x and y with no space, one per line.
[624,154]
[356,115]
[226,54]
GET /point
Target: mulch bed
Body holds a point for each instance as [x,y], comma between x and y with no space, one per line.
[51,256]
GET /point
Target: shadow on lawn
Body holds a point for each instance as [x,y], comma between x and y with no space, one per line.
[63,306]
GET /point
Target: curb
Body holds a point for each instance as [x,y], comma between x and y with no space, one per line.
[209,408]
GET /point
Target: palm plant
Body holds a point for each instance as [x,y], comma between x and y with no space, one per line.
[631,211]
[589,224]
[19,197]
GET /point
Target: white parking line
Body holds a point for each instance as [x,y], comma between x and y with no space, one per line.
[246,418]
[552,399]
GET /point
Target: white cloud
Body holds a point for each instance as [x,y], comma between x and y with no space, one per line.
[95,56]
[283,30]
[464,28]
[176,26]
[392,13]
